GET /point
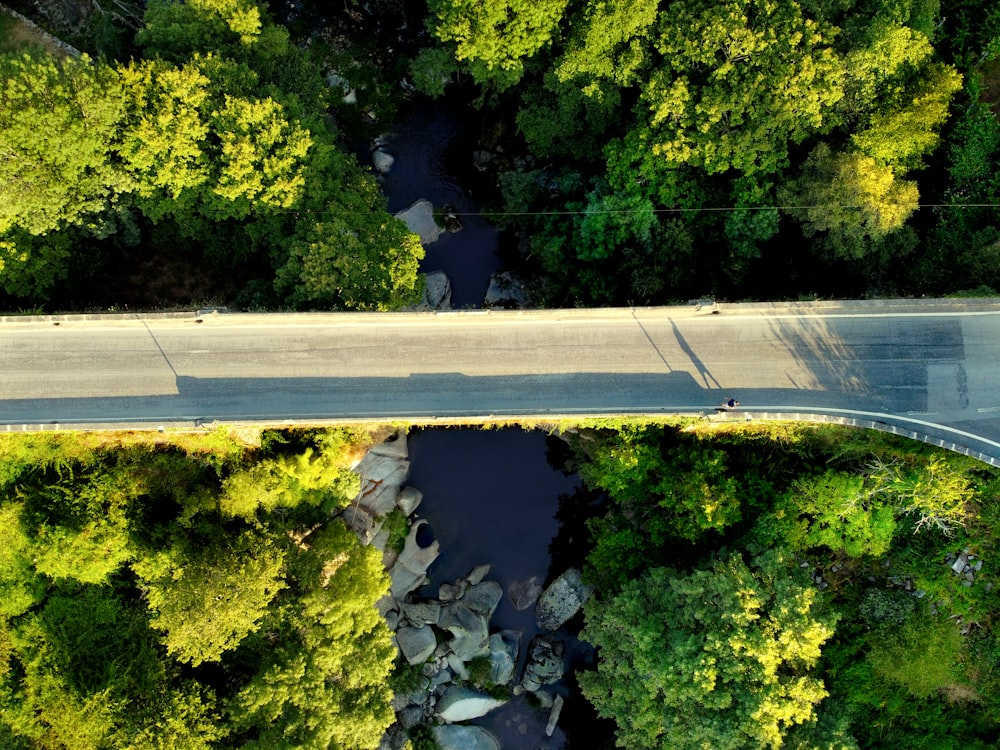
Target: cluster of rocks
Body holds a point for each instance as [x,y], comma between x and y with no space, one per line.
[965,565]
[446,635]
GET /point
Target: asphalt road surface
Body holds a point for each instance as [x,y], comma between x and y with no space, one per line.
[928,366]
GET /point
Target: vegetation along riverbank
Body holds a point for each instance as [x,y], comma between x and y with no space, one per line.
[753,586]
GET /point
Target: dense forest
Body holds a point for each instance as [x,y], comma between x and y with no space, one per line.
[759,586]
[755,586]
[649,152]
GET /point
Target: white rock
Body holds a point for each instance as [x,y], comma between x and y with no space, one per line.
[409,500]
[419,219]
[416,644]
[454,737]
[382,160]
[460,703]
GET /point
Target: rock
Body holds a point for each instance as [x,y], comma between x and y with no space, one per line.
[470,631]
[403,580]
[477,574]
[349,96]
[437,292]
[382,160]
[381,477]
[545,663]
[561,600]
[448,592]
[557,705]
[420,548]
[416,644]
[483,598]
[460,703]
[506,291]
[504,647]
[419,219]
[441,678]
[524,594]
[392,619]
[482,159]
[393,447]
[408,500]
[544,698]
[410,716]
[455,737]
[362,523]
[427,613]
[452,222]
[457,666]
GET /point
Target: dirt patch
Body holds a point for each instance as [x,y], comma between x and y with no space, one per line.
[991,85]
[17,35]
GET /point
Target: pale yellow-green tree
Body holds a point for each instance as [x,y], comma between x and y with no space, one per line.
[206,600]
[495,37]
[719,658]
[850,196]
[325,686]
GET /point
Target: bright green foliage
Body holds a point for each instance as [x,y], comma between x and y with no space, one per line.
[662,494]
[183,718]
[81,532]
[609,41]
[850,196]
[881,66]
[900,137]
[20,588]
[339,656]
[494,37]
[934,492]
[58,123]
[740,83]
[561,120]
[719,657]
[175,30]
[206,601]
[836,510]
[314,478]
[164,143]
[921,655]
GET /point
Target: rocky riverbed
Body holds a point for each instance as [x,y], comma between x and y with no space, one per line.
[465,666]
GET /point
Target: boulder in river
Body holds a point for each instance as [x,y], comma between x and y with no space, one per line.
[410,568]
[561,600]
[524,594]
[409,500]
[470,631]
[456,737]
[416,643]
[483,598]
[419,219]
[506,291]
[460,703]
[545,663]
[382,160]
[503,655]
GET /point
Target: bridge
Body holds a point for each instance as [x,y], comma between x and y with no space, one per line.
[929,369]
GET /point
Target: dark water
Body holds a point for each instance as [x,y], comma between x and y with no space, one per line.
[492,497]
[433,145]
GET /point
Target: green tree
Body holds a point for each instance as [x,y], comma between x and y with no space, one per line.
[495,37]
[850,196]
[58,125]
[719,657]
[922,655]
[608,41]
[740,82]
[337,652]
[207,600]
[174,30]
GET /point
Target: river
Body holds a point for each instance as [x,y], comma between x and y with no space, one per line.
[492,496]
[433,146]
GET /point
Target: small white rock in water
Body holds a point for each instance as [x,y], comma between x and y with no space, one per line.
[382,160]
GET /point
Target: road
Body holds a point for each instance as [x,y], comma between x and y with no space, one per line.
[932,367]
